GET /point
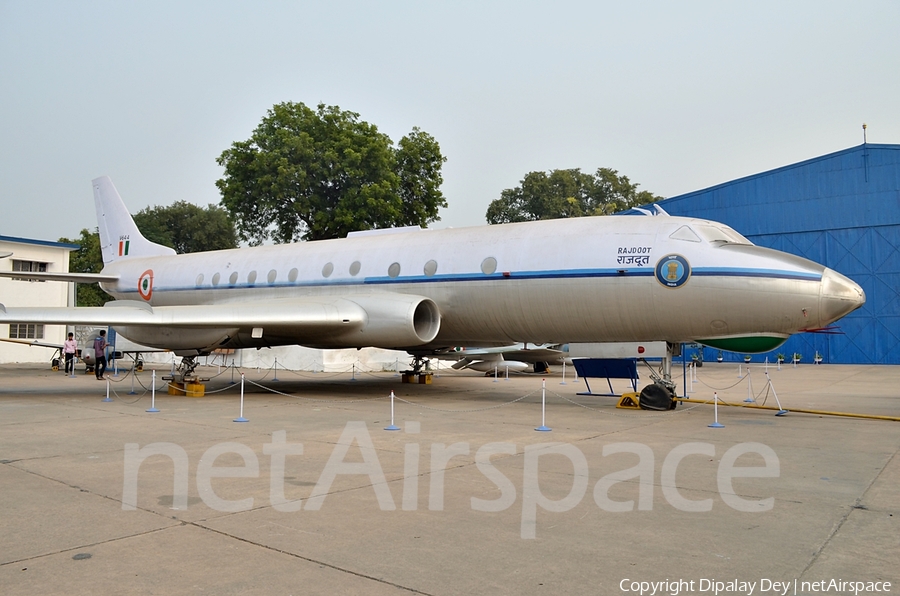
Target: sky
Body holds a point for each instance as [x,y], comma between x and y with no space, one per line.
[678,96]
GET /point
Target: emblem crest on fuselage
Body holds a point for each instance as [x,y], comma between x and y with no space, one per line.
[673,271]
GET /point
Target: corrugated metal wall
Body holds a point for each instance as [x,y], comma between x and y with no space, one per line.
[841,210]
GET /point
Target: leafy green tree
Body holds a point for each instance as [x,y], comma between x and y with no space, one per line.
[309,174]
[567,193]
[87,259]
[419,162]
[187,227]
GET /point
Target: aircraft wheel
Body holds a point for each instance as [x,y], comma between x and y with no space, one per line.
[656,397]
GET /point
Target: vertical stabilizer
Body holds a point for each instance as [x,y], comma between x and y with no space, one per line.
[119,236]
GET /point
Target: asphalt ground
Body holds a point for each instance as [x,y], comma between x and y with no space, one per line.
[363,510]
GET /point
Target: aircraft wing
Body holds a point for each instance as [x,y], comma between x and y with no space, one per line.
[32,342]
[129,312]
[384,320]
[82,278]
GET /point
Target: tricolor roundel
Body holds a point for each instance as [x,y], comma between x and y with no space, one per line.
[145,284]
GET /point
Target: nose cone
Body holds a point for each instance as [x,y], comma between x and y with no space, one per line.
[839,296]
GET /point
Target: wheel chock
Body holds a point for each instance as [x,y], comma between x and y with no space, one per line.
[629,401]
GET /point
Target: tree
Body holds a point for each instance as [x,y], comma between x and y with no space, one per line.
[187,227]
[313,174]
[567,193]
[87,259]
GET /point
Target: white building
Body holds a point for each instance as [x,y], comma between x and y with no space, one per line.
[22,254]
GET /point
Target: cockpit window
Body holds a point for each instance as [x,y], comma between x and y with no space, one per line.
[685,233]
[721,234]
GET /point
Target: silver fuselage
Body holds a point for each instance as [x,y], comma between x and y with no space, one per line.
[593,279]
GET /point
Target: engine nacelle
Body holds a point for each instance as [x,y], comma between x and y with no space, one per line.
[394,321]
[181,340]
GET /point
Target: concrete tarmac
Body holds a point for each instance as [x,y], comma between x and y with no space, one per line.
[467,498]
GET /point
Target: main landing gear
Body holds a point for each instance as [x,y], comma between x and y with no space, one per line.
[421,371]
[184,373]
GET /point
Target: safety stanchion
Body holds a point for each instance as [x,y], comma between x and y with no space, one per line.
[740,371]
[153,393]
[73,361]
[496,380]
[507,373]
[241,417]
[392,426]
[275,377]
[543,427]
[716,410]
[107,398]
[750,399]
[563,382]
[133,392]
[781,411]
[396,367]
[353,374]
[232,371]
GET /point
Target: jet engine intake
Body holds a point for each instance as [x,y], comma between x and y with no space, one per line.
[397,320]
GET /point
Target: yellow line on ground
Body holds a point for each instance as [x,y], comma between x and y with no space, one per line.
[820,412]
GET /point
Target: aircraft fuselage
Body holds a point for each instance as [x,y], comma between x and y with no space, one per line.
[615,279]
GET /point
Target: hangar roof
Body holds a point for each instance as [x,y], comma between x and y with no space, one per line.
[852,188]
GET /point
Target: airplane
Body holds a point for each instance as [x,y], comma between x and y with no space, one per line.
[519,357]
[118,349]
[635,278]
[512,358]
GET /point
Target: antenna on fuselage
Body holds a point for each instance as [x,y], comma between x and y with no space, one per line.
[657,210]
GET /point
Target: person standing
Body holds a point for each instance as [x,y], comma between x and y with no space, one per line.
[70,347]
[100,355]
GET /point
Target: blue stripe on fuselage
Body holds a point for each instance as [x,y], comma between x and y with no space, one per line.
[550,274]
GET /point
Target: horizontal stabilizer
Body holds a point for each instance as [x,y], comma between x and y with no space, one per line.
[81,278]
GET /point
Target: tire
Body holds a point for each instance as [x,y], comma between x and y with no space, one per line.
[656,397]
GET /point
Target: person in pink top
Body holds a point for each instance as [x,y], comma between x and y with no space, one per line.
[70,348]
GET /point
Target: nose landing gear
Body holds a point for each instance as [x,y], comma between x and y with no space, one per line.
[660,394]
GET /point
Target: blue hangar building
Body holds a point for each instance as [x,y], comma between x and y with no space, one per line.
[841,210]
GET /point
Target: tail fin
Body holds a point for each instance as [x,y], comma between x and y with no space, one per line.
[119,236]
